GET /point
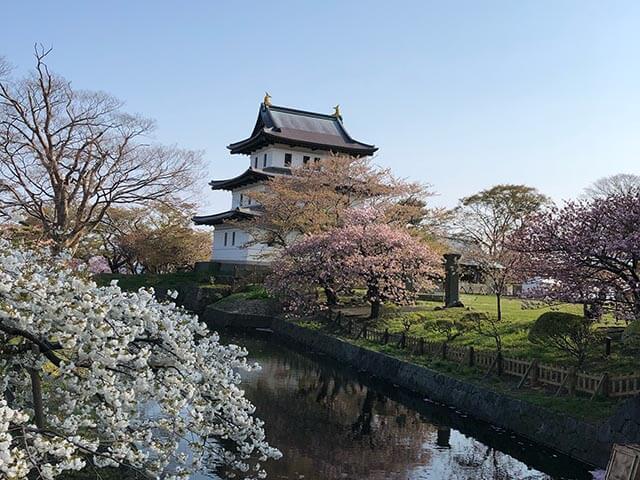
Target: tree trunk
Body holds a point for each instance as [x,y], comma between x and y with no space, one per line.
[332,297]
[36,392]
[499,305]
[375,309]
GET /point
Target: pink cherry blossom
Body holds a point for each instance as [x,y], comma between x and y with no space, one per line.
[389,263]
[589,250]
[98,265]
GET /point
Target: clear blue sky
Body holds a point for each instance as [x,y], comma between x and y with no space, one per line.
[460,94]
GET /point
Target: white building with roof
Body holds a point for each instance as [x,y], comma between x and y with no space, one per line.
[282,138]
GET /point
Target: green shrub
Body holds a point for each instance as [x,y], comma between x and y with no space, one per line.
[213,293]
[389,310]
[250,292]
[410,317]
[447,328]
[486,325]
[569,333]
[134,282]
[631,337]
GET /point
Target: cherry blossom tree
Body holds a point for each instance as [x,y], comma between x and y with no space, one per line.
[588,250]
[391,264]
[97,377]
[98,264]
[314,198]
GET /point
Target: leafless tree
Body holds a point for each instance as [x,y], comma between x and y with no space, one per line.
[621,183]
[5,68]
[67,156]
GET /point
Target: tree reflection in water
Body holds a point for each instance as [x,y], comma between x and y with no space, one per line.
[329,426]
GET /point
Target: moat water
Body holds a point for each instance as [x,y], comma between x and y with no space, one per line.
[332,423]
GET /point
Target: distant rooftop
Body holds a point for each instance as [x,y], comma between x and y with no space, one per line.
[299,128]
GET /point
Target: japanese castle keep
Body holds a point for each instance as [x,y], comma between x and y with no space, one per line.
[281,139]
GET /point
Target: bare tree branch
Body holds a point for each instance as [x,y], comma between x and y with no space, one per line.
[67,156]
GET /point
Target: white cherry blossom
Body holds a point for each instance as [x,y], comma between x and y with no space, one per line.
[123,380]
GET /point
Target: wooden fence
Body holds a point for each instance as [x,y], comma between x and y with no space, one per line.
[531,372]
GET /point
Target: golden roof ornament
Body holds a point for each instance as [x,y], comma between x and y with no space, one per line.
[336,111]
[267,99]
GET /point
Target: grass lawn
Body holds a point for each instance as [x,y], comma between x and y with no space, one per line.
[250,292]
[179,279]
[518,316]
[168,280]
[577,406]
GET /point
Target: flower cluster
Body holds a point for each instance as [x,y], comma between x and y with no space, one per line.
[587,251]
[387,260]
[97,264]
[125,380]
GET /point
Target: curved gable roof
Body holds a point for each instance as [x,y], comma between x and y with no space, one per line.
[248,177]
[300,128]
[220,218]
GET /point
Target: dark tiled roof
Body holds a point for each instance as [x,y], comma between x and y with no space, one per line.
[218,218]
[302,129]
[247,177]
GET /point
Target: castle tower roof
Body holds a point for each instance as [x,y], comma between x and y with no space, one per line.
[299,128]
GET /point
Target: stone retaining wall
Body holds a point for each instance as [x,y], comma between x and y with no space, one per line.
[215,317]
[194,297]
[587,442]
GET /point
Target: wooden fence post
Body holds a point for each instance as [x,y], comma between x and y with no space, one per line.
[573,373]
[497,364]
[535,373]
[364,332]
[349,325]
[568,379]
[531,371]
[403,340]
[385,339]
[472,356]
[603,387]
[444,350]
[421,346]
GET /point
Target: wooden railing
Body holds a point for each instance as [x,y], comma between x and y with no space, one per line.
[560,378]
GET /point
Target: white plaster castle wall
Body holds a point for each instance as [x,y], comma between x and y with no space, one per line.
[275,155]
[238,251]
[247,201]
[261,158]
[271,156]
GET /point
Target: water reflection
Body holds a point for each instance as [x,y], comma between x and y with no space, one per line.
[330,424]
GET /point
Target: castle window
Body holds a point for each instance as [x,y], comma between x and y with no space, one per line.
[225,238]
[264,161]
[241,199]
[287,159]
[305,159]
[255,162]
[233,238]
[316,159]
